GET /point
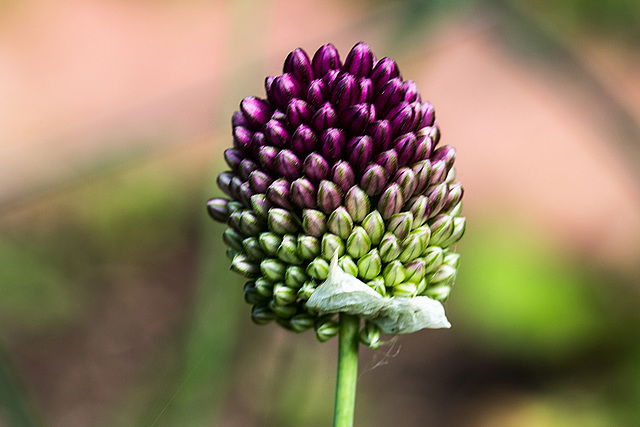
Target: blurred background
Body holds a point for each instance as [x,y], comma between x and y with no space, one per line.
[117,306]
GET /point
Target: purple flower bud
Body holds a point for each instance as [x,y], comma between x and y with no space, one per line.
[317,92]
[276,134]
[315,168]
[245,193]
[283,89]
[359,150]
[279,193]
[288,164]
[303,141]
[314,222]
[454,195]
[424,147]
[389,95]
[437,195]
[343,176]
[267,156]
[384,70]
[332,143]
[445,153]
[242,138]
[401,118]
[405,146]
[299,112]
[257,141]
[282,221]
[218,209]
[366,91]
[374,179]
[250,223]
[246,167]
[303,193]
[259,181]
[326,58]
[389,161]
[345,93]
[256,110]
[433,132]
[329,196]
[225,183]
[422,171]
[356,118]
[324,118]
[406,179]
[411,93]
[391,201]
[331,79]
[233,157]
[261,205]
[400,225]
[427,116]
[419,208]
[238,119]
[438,172]
[357,203]
[359,61]
[298,65]
[380,131]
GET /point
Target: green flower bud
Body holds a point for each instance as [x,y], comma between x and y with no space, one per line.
[231,254]
[249,223]
[330,244]
[305,292]
[456,210]
[283,311]
[357,203]
[439,293]
[273,269]
[261,314]
[233,239]
[377,284]
[264,287]
[394,273]
[318,269]
[234,206]
[283,295]
[421,286]
[244,265]
[412,247]
[358,243]
[424,232]
[326,328]
[302,322]
[260,205]
[459,227]
[308,246]
[270,242]
[444,275]
[370,265]
[433,258]
[405,289]
[295,276]
[251,295]
[340,223]
[374,226]
[389,248]
[348,265]
[252,247]
[415,270]
[419,208]
[451,175]
[441,229]
[314,222]
[452,259]
[400,224]
[370,336]
[282,221]
[288,250]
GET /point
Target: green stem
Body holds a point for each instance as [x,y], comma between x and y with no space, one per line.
[347,371]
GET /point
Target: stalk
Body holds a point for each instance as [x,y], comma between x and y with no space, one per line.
[347,371]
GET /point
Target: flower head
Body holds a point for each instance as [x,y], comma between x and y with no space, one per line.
[340,161]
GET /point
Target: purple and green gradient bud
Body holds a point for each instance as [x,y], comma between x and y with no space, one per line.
[338,157]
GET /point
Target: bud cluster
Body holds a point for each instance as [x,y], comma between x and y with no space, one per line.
[339,157]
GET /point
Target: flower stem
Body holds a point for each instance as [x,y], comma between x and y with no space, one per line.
[347,371]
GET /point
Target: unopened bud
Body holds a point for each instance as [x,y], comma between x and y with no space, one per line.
[295,277]
[370,335]
[340,223]
[331,244]
[459,227]
[329,196]
[326,329]
[252,248]
[251,296]
[389,247]
[433,257]
[394,273]
[370,265]
[244,265]
[218,209]
[390,201]
[373,224]
[261,205]
[357,203]
[452,259]
[415,270]
[283,311]
[439,293]
[307,289]
[269,242]
[233,239]
[400,224]
[308,246]
[318,269]
[412,247]
[288,250]
[348,265]
[405,290]
[283,295]
[282,221]
[272,269]
[314,223]
[444,275]
[358,243]
[262,314]
[264,287]
[302,322]
[406,179]
[377,284]
[441,229]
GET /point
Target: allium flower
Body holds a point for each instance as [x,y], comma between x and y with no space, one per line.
[341,161]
